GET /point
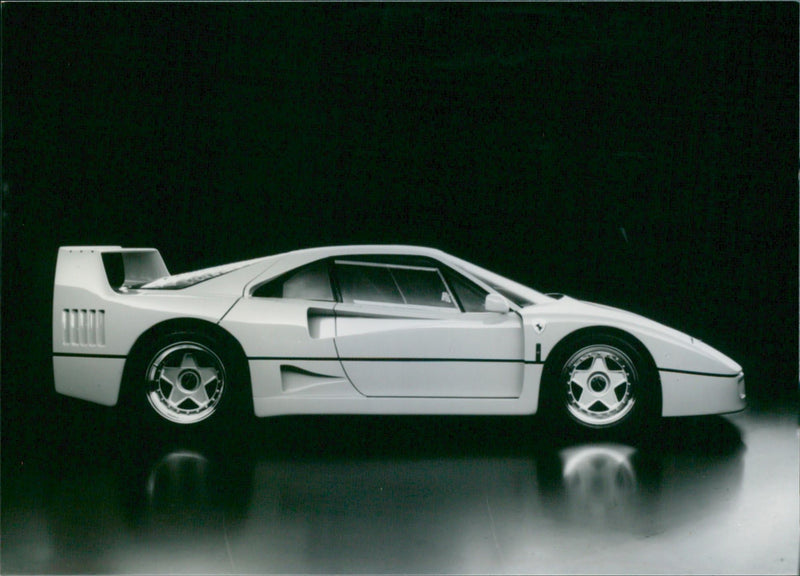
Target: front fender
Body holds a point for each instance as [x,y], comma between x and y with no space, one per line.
[695,378]
[669,348]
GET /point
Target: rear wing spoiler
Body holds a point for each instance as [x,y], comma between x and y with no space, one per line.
[100,268]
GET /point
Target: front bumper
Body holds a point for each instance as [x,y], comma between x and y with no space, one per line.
[692,394]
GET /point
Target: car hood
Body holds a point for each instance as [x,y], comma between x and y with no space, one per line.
[593,312]
[588,313]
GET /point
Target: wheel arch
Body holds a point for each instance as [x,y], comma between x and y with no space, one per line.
[556,355]
[231,346]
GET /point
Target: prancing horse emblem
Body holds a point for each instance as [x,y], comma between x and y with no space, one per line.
[539,325]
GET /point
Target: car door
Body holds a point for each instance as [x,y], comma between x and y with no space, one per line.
[413,329]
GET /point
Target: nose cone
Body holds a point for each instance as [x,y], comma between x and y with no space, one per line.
[726,365]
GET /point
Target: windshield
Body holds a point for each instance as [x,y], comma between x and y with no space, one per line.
[517,293]
[517,299]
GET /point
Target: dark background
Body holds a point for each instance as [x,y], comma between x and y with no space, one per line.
[638,155]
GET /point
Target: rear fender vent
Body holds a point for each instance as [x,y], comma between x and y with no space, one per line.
[83,327]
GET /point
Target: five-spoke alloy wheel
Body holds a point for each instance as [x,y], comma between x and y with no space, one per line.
[601,383]
[185,382]
[599,380]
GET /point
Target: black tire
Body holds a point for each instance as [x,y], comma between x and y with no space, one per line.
[599,383]
[185,380]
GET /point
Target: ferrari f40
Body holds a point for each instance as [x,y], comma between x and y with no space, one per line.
[364,330]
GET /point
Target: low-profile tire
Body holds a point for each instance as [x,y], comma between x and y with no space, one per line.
[185,380]
[599,383]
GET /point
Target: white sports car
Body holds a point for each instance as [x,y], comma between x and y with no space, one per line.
[364,330]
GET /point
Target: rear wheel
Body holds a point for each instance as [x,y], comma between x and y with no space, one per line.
[184,378]
[185,382]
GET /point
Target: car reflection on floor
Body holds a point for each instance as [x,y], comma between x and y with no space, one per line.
[379,495]
[599,484]
[484,513]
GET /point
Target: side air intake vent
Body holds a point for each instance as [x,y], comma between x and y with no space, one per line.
[83,327]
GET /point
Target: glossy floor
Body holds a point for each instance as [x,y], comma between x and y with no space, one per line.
[413,495]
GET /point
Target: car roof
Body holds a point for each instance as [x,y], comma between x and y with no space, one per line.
[348,250]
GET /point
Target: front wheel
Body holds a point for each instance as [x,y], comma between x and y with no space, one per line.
[601,382]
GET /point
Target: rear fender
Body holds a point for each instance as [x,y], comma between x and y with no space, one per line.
[96,318]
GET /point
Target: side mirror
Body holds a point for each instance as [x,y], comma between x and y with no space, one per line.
[496,303]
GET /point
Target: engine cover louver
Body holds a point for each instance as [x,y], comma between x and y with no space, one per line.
[83,327]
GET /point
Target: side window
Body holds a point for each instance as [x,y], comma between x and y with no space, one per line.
[393,284]
[423,287]
[366,283]
[311,282]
